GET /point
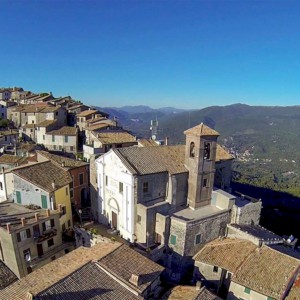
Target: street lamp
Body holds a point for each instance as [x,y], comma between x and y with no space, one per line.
[80,212]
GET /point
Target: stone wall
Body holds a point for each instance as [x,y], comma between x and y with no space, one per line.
[249,213]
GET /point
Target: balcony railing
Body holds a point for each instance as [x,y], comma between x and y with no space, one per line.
[45,235]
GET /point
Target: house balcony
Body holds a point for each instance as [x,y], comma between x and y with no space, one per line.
[66,247]
[49,233]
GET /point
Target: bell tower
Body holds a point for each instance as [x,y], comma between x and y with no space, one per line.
[200,158]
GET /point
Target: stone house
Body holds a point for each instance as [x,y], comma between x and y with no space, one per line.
[43,184]
[4,105]
[101,142]
[64,139]
[107,270]
[37,113]
[29,238]
[8,161]
[79,171]
[240,269]
[8,138]
[163,196]
[5,94]
[86,116]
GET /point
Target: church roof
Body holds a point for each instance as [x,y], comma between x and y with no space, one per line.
[201,130]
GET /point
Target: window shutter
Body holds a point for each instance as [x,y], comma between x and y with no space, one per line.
[44,226]
[52,222]
[18,237]
[28,233]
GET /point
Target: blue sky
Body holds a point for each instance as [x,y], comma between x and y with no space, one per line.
[187,54]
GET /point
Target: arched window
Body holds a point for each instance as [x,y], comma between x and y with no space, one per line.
[206,150]
[192,149]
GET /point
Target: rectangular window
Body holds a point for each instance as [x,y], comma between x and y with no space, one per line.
[63,227]
[145,187]
[81,178]
[50,242]
[36,231]
[63,210]
[27,254]
[121,187]
[247,290]
[215,269]
[1,186]
[198,239]
[69,223]
[23,235]
[71,148]
[66,139]
[139,219]
[71,194]
[52,223]
[173,239]
[18,194]
[44,201]
[28,233]
[53,138]
[43,137]
[204,182]
[106,180]
[54,147]
[60,147]
[46,225]
[67,191]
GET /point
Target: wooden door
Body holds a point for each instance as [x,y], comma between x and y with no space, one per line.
[114,220]
[40,250]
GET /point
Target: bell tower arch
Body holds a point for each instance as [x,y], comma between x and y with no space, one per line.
[200,159]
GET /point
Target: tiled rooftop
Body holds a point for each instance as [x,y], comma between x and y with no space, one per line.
[124,261]
[228,254]
[8,132]
[65,130]
[12,159]
[50,274]
[97,126]
[46,123]
[87,112]
[294,293]
[7,277]
[32,108]
[149,160]
[267,271]
[202,130]
[187,292]
[115,137]
[44,174]
[68,163]
[89,282]
[257,231]
[147,143]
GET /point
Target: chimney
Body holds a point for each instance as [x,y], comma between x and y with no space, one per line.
[166,141]
[8,227]
[48,212]
[135,279]
[23,221]
[36,217]
[53,184]
[198,285]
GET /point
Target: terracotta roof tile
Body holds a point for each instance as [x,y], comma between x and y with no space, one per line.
[65,130]
[7,277]
[228,254]
[69,163]
[115,137]
[94,283]
[149,160]
[147,143]
[124,261]
[53,272]
[267,271]
[46,123]
[12,159]
[87,112]
[44,174]
[202,130]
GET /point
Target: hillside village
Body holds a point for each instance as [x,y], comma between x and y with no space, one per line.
[90,211]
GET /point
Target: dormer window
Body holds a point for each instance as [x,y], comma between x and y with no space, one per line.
[192,149]
[206,150]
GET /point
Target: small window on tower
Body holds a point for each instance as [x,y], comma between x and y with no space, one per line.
[192,149]
[205,182]
[206,150]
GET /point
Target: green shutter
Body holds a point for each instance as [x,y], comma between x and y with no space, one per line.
[18,197]
[247,290]
[44,201]
[173,239]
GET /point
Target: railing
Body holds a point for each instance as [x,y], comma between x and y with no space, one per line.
[45,235]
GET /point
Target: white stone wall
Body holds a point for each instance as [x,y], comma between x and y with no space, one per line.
[59,143]
[110,199]
[2,188]
[237,291]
